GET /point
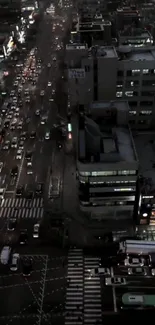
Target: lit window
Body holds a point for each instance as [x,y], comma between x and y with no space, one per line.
[129,93]
[132,112]
[125,189]
[136,71]
[119,94]
[145,71]
[145,112]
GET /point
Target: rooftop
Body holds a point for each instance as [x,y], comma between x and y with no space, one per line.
[104,135]
[104,51]
[134,32]
[137,54]
[145,146]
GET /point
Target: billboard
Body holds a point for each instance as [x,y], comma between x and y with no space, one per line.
[76,73]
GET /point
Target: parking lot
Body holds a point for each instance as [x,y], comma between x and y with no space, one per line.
[42,293]
[112,295]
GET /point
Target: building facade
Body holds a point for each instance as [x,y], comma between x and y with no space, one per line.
[107,163]
[107,73]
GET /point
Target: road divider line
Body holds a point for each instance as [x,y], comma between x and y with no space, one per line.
[20,170]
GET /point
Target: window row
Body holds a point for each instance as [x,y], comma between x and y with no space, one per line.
[136,72]
[132,93]
[109,173]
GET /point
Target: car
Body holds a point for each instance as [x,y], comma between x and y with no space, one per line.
[54,58]
[117,281]
[134,261]
[37,112]
[29,170]
[29,195]
[49,84]
[47,135]
[23,136]
[27,99]
[42,93]
[28,155]
[36,230]
[14,262]
[99,271]
[13,125]
[6,145]
[19,154]
[19,191]
[43,120]
[5,255]
[39,189]
[21,145]
[2,192]
[14,171]
[137,271]
[1,166]
[33,135]
[23,237]
[20,125]
[49,65]
[14,142]
[26,266]
[12,223]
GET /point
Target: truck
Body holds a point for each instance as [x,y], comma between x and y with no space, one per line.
[141,247]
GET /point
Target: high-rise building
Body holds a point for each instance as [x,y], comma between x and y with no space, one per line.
[107,73]
[107,162]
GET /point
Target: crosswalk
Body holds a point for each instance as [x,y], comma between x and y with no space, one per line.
[92,293]
[83,294]
[22,203]
[21,208]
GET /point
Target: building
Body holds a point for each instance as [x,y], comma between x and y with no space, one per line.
[97,31]
[10,10]
[127,16]
[107,73]
[135,37]
[107,163]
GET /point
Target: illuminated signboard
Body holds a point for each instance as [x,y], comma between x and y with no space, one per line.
[76,73]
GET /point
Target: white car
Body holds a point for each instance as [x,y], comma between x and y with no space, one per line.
[47,135]
[36,230]
[43,120]
[49,65]
[54,59]
[115,281]
[29,170]
[49,84]
[136,261]
[1,166]
[14,262]
[153,272]
[99,271]
[42,93]
[14,142]
[19,154]
[20,125]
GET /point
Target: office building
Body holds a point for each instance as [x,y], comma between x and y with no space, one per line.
[107,73]
[107,163]
[97,31]
[135,37]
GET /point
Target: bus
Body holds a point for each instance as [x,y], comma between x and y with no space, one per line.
[137,247]
[138,300]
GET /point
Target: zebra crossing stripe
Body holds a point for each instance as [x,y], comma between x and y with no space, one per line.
[22,203]
[22,213]
[92,293]
[74,292]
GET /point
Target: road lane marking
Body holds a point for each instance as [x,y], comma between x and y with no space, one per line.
[20,170]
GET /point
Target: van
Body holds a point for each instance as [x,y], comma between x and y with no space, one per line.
[5,254]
